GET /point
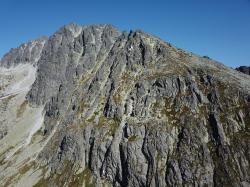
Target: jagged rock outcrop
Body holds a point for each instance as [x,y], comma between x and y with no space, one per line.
[244,69]
[127,109]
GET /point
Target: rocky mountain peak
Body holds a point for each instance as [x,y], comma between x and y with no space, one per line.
[96,106]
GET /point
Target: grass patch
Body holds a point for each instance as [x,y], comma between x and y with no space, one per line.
[125,77]
[69,178]
[92,119]
[81,107]
[22,170]
[22,108]
[110,123]
[132,138]
[117,97]
[85,177]
[9,181]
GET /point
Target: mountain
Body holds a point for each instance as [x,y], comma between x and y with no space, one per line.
[93,106]
[244,69]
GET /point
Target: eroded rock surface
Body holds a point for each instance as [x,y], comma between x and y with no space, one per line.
[126,109]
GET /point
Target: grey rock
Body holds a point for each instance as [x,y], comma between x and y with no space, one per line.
[132,110]
[26,53]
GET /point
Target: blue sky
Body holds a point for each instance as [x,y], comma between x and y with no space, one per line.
[219,29]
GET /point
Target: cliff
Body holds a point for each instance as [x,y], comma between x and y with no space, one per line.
[92,106]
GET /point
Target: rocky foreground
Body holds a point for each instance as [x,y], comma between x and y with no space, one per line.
[92,106]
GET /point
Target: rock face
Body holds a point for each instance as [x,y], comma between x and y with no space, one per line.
[244,69]
[124,109]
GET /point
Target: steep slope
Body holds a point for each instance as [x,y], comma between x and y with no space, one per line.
[108,108]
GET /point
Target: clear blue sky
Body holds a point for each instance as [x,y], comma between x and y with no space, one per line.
[219,29]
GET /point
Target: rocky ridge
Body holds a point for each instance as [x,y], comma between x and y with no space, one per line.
[244,69]
[110,108]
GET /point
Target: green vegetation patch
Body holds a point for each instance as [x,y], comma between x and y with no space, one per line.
[85,178]
[22,108]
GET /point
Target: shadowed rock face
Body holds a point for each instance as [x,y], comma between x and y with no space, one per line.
[127,109]
[244,69]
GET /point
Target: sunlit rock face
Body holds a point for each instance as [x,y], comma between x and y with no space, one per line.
[93,106]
